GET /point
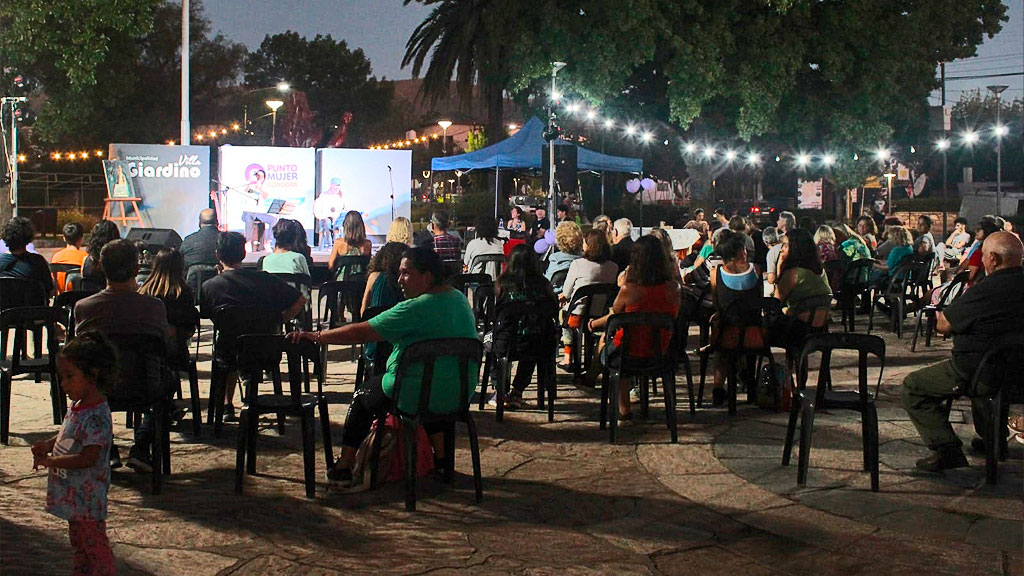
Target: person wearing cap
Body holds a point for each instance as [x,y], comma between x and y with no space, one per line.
[331,197]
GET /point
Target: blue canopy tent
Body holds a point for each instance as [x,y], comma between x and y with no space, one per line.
[524,150]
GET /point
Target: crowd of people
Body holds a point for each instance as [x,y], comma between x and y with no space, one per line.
[725,276]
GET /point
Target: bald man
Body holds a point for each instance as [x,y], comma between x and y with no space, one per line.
[200,247]
[990,310]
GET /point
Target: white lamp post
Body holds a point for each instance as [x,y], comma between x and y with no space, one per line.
[273,105]
[445,125]
[888,179]
[1000,131]
[552,200]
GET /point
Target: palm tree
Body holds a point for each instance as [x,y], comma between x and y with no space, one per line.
[470,40]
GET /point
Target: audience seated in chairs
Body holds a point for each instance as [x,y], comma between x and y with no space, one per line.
[432,310]
[286,259]
[353,242]
[400,231]
[735,288]
[20,263]
[957,241]
[569,241]
[445,244]
[666,244]
[242,287]
[117,310]
[992,308]
[801,278]
[902,246]
[825,241]
[72,252]
[648,287]
[595,267]
[102,233]
[486,242]
[867,230]
[167,283]
[622,242]
[200,247]
[522,282]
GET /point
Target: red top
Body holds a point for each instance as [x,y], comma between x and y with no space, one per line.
[655,300]
[975,260]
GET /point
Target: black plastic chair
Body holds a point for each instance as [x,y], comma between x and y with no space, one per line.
[558,280]
[508,346]
[815,314]
[751,339]
[66,270]
[904,292]
[144,386]
[998,366]
[479,290]
[21,320]
[621,363]
[262,353]
[65,303]
[195,277]
[304,284]
[334,299]
[595,301]
[492,264]
[347,267]
[426,352]
[180,360]
[370,366]
[856,282]
[927,315]
[21,292]
[860,400]
[230,323]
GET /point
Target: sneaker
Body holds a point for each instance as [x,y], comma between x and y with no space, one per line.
[115,458]
[139,460]
[719,397]
[339,476]
[565,367]
[514,402]
[493,400]
[229,414]
[943,459]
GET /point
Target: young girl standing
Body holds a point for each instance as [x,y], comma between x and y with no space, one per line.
[78,456]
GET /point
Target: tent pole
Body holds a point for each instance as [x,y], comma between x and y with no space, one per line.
[602,188]
[496,171]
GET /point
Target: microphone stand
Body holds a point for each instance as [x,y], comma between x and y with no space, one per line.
[391,177]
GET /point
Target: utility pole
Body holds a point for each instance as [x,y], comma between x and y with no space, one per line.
[185,126]
[945,163]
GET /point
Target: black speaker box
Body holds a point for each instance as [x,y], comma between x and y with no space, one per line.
[155,238]
[565,168]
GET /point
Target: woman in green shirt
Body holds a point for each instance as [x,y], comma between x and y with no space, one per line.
[801,277]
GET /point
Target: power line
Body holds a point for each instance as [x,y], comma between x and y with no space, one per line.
[980,76]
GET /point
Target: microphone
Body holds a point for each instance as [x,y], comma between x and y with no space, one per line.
[389,168]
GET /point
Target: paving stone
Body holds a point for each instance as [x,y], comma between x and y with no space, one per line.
[170,562]
[1006,535]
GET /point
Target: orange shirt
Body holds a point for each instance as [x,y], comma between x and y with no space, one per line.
[69,255]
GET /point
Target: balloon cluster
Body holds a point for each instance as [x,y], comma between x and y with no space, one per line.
[635,185]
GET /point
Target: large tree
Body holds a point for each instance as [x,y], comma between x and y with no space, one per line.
[335,79]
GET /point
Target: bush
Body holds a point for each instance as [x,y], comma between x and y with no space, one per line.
[65,215]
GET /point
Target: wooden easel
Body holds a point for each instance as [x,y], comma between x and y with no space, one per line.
[125,217]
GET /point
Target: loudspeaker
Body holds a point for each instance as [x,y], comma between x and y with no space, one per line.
[155,238]
[565,168]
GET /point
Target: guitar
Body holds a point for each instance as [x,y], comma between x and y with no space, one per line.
[328,207]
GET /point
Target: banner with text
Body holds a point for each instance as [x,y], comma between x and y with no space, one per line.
[173,182]
[260,184]
[363,180]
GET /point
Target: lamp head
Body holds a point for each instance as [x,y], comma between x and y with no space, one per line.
[274,104]
[444,124]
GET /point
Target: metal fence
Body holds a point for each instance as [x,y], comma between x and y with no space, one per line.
[85,192]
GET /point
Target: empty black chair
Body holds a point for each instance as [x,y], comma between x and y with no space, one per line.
[333,300]
[21,320]
[62,273]
[623,362]
[997,368]
[860,400]
[347,267]
[479,290]
[738,340]
[467,352]
[592,301]
[196,276]
[230,323]
[492,264]
[510,344]
[904,292]
[928,313]
[145,386]
[262,353]
[18,292]
[856,282]
[180,360]
[304,284]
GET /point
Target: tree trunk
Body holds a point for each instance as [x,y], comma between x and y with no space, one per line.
[495,129]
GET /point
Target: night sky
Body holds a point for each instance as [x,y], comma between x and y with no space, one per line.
[381,27]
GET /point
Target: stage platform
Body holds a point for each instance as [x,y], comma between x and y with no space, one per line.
[319,257]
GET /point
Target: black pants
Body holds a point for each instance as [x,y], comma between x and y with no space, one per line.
[370,402]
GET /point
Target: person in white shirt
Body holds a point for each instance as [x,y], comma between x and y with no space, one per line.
[486,242]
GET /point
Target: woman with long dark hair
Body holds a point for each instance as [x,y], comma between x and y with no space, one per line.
[800,272]
[286,258]
[353,242]
[649,287]
[522,281]
[167,282]
[102,234]
[486,242]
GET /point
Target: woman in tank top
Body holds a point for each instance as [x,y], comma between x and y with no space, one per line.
[737,291]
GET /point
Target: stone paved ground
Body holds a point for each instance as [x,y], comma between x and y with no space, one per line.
[558,500]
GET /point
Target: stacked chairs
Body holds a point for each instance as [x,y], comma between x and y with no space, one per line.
[259,353]
[467,353]
[623,363]
[509,345]
[860,400]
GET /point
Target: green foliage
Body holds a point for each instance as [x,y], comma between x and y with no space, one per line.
[476,140]
[335,78]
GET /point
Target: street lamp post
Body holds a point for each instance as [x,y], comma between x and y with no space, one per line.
[1000,132]
[273,105]
[552,201]
[888,201]
[445,125]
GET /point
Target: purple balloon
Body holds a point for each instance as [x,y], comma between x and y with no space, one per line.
[648,184]
[632,186]
[541,246]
